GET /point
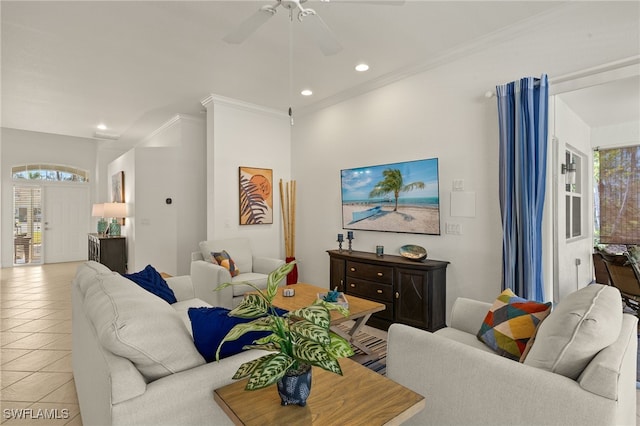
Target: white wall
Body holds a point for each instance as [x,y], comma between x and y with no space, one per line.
[156,223]
[240,134]
[127,164]
[623,134]
[439,113]
[21,147]
[169,163]
[174,167]
[572,133]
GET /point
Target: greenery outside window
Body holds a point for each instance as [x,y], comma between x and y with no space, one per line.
[617,195]
[49,172]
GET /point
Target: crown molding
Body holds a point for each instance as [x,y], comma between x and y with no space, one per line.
[212,100]
[176,119]
[451,55]
[601,74]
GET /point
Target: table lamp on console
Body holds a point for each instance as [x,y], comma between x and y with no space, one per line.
[98,211]
[115,211]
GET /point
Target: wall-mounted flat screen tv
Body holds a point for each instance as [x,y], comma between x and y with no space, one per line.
[397,197]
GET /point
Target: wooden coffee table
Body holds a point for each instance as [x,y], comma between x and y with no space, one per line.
[360,310]
[359,396]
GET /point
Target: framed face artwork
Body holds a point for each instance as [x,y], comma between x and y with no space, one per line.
[256,196]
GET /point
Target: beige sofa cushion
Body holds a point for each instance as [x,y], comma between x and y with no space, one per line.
[137,325]
[86,272]
[582,324]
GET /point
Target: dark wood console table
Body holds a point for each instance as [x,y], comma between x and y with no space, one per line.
[414,292]
[110,251]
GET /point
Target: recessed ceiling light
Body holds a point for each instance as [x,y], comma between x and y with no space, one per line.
[362,67]
[306,92]
[102,126]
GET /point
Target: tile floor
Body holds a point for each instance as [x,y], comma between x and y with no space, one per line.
[35,322]
[35,331]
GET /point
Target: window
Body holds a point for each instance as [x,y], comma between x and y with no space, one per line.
[573,172]
[617,197]
[49,172]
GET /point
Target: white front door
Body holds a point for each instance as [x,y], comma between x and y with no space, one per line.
[66,221]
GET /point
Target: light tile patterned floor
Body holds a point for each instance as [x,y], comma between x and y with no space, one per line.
[35,330]
[35,327]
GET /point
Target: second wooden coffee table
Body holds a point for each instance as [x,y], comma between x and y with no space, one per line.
[359,309]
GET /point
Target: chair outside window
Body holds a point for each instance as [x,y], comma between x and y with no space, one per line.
[625,276]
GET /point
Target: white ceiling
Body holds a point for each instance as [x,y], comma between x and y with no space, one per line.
[607,104]
[67,66]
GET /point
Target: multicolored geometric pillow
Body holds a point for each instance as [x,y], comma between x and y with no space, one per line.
[225,261]
[510,323]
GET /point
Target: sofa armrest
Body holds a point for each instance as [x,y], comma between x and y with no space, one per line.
[614,364]
[264,265]
[184,398]
[196,255]
[467,314]
[181,286]
[205,277]
[465,385]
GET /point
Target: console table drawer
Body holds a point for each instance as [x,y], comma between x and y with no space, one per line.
[370,290]
[368,271]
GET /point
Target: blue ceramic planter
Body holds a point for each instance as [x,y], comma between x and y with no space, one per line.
[294,387]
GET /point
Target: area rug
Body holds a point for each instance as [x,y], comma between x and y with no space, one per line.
[376,345]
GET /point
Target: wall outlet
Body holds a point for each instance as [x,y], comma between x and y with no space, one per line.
[453,228]
[458,185]
[578,262]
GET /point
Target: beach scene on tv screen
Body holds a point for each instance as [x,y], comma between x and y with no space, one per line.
[397,197]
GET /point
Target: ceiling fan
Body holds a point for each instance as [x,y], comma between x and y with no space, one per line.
[313,24]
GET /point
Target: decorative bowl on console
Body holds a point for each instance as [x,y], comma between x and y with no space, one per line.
[413,252]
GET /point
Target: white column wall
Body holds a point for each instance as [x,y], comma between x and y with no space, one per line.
[241,134]
[573,133]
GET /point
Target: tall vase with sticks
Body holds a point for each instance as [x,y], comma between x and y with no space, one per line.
[288,209]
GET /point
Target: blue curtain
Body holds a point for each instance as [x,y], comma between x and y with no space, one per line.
[523,123]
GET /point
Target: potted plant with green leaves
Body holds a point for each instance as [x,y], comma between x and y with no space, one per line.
[299,339]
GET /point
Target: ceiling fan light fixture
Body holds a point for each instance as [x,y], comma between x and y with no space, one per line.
[101,126]
[362,67]
[306,92]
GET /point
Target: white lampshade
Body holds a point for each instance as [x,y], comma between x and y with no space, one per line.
[118,210]
[97,210]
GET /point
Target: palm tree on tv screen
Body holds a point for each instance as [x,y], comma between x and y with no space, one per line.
[393,182]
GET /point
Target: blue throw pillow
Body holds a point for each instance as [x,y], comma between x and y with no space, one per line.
[152,281]
[211,325]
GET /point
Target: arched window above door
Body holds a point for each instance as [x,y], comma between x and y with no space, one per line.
[49,172]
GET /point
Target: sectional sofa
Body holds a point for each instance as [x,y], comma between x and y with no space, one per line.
[134,359]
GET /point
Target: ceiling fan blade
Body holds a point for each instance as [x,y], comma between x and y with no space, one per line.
[250,25]
[321,34]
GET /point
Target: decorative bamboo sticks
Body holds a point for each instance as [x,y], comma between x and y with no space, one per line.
[288,209]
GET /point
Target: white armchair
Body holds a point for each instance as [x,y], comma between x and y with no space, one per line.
[464,382]
[206,276]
